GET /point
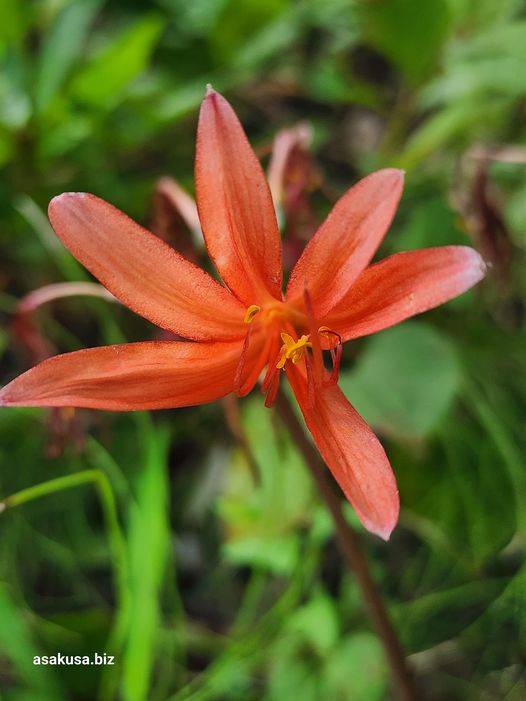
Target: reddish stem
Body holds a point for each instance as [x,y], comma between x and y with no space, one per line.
[353,555]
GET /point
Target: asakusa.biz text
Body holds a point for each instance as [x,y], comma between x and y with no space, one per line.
[84,660]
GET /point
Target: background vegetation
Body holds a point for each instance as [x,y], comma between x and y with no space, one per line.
[193,546]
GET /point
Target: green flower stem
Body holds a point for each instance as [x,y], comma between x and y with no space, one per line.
[44,488]
[105,493]
[116,539]
[353,556]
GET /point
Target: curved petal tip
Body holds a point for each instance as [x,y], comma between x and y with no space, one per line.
[474,266]
[345,243]
[479,267]
[352,453]
[390,519]
[393,172]
[394,177]
[63,200]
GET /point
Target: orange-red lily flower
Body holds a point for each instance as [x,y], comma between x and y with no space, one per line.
[238,329]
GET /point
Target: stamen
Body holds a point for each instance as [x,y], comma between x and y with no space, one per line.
[319,368]
[292,350]
[335,347]
[311,383]
[251,375]
[272,371]
[251,313]
[270,383]
[238,377]
[336,355]
[272,391]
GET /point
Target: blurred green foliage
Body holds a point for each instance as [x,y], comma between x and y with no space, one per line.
[205,565]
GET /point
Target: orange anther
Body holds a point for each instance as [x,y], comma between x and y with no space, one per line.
[292,350]
[251,313]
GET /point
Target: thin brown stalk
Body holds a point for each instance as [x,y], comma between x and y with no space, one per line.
[353,555]
[231,410]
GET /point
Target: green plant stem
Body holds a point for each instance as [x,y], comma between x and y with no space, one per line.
[99,479]
[116,539]
[353,555]
[45,488]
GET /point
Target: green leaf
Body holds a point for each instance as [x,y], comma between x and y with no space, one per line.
[408,32]
[430,223]
[239,22]
[317,623]
[480,14]
[485,64]
[499,76]
[274,554]
[329,82]
[4,341]
[439,130]
[12,21]
[488,516]
[515,213]
[7,147]
[357,670]
[18,646]
[405,380]
[68,266]
[149,536]
[290,676]
[106,78]
[61,47]
[504,40]
[196,17]
[260,516]
[442,615]
[273,38]
[501,459]
[15,105]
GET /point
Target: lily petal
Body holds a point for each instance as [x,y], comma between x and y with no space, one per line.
[131,376]
[235,205]
[353,453]
[143,271]
[403,285]
[346,241]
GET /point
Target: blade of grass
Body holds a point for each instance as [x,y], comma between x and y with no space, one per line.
[149,537]
[213,682]
[489,417]
[109,508]
[18,646]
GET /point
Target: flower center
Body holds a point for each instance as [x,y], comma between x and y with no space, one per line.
[277,312]
[302,341]
[292,350]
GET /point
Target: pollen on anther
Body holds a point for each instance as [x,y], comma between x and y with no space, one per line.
[292,350]
[251,313]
